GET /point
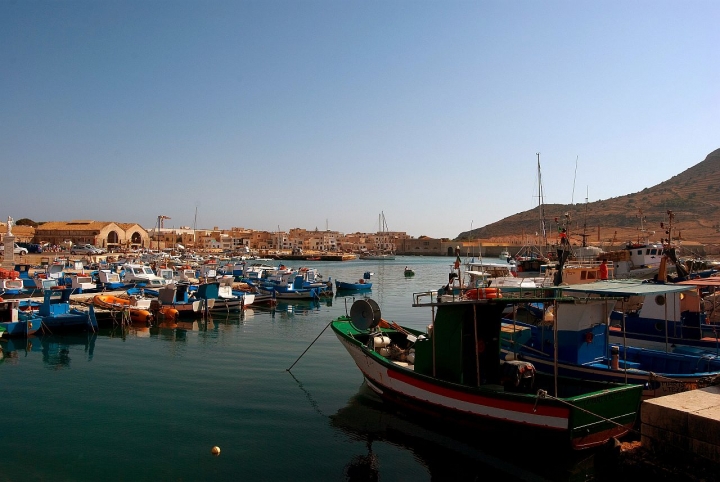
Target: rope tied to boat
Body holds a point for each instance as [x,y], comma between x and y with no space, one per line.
[545,395]
[540,394]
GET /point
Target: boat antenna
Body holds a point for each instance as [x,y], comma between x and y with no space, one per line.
[572,197]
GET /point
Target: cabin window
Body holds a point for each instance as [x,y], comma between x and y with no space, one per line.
[583,275]
[640,252]
[653,251]
[660,300]
[591,275]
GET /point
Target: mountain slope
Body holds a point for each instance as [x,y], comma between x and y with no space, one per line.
[693,196]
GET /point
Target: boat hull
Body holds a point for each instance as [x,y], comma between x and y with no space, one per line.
[482,405]
[655,385]
[340,285]
[14,329]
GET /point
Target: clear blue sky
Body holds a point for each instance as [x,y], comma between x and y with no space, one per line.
[267,114]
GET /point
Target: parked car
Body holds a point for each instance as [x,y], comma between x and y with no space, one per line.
[31,247]
[17,250]
[84,249]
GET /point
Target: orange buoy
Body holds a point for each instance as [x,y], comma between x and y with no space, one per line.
[483,293]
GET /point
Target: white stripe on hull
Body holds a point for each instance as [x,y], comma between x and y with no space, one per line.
[376,373]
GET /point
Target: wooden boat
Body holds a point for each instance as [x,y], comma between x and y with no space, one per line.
[57,315]
[14,323]
[453,371]
[363,284]
[579,330]
[139,310]
[659,316]
[174,301]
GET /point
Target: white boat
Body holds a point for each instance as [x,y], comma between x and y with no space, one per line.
[227,300]
[377,256]
[639,260]
[140,273]
[636,260]
[500,275]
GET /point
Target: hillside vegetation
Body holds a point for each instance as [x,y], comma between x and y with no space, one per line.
[693,196]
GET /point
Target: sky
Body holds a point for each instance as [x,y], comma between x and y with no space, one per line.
[275,114]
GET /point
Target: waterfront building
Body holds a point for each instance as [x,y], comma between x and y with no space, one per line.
[105,234]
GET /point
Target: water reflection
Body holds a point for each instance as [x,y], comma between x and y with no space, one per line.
[284,308]
[56,350]
[451,452]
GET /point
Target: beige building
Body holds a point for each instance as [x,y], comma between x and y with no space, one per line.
[23,234]
[99,233]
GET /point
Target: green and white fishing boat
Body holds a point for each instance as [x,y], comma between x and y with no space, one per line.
[453,371]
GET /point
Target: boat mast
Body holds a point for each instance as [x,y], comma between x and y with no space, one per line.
[584,234]
[195,230]
[541,203]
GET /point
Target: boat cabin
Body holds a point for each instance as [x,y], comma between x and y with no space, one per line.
[82,282]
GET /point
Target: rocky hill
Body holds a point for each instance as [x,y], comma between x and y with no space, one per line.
[693,196]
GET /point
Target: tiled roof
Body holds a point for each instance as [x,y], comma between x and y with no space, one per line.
[78,225]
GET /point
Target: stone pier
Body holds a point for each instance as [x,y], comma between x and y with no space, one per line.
[687,421]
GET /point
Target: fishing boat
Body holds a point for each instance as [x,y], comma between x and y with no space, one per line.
[142,274]
[175,299]
[480,273]
[297,290]
[453,370]
[660,316]
[223,296]
[572,340]
[14,323]
[110,280]
[137,309]
[57,315]
[363,284]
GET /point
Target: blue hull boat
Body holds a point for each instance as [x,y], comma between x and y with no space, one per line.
[660,316]
[15,323]
[579,329]
[341,285]
[58,316]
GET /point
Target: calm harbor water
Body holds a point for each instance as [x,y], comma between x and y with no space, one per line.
[150,404]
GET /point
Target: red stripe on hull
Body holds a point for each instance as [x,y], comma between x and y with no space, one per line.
[520,407]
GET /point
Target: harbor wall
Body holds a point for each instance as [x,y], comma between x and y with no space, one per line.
[687,422]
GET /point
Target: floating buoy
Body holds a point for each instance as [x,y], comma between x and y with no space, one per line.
[215,450]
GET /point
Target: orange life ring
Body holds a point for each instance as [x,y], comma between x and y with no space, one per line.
[483,293]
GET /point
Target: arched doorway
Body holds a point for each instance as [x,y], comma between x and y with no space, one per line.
[112,241]
[136,239]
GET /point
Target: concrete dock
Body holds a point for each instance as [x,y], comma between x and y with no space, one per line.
[688,422]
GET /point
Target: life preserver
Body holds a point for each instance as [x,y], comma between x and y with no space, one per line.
[483,293]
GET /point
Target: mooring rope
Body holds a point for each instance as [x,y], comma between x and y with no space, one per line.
[543,394]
